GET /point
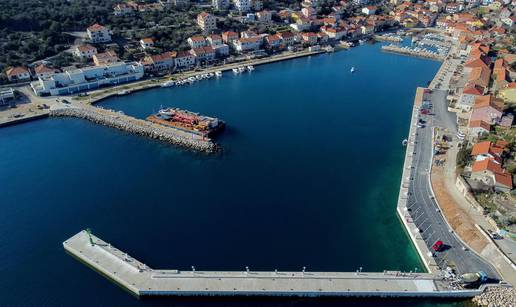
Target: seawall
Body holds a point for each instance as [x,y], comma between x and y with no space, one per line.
[404,215]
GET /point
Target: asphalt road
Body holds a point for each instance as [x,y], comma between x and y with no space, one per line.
[422,206]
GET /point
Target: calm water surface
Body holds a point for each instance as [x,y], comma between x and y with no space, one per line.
[308,176]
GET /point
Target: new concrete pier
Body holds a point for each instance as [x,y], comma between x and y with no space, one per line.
[142,280]
[137,126]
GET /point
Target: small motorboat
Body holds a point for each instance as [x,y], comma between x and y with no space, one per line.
[168,83]
[404,142]
[352,70]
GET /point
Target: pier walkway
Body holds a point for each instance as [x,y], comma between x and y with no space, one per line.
[142,280]
[411,52]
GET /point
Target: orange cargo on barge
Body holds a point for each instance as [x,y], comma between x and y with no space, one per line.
[187,121]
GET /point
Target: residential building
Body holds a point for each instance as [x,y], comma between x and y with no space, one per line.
[105,58]
[160,62]
[184,59]
[273,41]
[221,50]
[492,174]
[487,150]
[42,71]
[264,16]
[98,34]
[6,96]
[369,10]
[242,5]
[220,4]
[256,5]
[18,73]
[177,3]
[229,36]
[84,51]
[146,43]
[203,54]
[468,96]
[207,22]
[74,81]
[287,38]
[309,38]
[247,44]
[214,39]
[196,41]
[122,9]
[478,127]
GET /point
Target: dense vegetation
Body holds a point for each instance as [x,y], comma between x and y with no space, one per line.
[32,29]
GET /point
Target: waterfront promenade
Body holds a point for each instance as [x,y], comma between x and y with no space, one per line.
[141,280]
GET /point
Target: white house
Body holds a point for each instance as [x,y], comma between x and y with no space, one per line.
[196,41]
[369,10]
[242,5]
[84,51]
[247,44]
[184,59]
[207,22]
[42,71]
[146,43]
[98,34]
[18,73]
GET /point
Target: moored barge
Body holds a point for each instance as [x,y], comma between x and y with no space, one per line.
[188,121]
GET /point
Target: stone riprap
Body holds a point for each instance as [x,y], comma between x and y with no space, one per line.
[130,124]
[496,297]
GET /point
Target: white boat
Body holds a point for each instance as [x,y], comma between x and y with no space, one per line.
[211,75]
[192,79]
[404,142]
[250,67]
[352,69]
[218,73]
[235,70]
[124,92]
[241,69]
[168,83]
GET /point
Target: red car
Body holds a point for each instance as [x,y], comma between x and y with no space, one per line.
[438,246]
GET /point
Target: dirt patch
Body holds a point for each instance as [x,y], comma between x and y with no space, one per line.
[458,218]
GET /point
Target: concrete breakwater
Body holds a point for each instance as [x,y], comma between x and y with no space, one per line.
[387,38]
[411,52]
[137,126]
[142,280]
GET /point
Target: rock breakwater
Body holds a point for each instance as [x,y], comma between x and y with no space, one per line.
[130,124]
[496,297]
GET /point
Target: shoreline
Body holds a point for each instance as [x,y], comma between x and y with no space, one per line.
[100,95]
[402,203]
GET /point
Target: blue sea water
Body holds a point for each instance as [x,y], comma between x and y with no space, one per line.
[308,176]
